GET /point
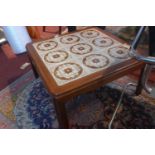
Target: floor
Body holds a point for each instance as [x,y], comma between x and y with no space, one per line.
[10,68]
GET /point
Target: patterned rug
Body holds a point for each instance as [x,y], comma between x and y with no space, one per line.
[8,97]
[34,108]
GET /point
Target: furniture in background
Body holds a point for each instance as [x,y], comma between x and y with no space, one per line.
[59,29]
[18,37]
[95,58]
[34,32]
[73,28]
[2,37]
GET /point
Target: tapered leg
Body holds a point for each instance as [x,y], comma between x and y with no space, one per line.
[33,68]
[139,87]
[61,114]
[34,71]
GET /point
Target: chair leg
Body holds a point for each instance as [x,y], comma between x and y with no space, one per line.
[44,28]
[60,28]
[71,28]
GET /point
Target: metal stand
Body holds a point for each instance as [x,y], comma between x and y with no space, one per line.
[149,60]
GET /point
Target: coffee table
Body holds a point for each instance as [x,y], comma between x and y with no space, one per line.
[78,62]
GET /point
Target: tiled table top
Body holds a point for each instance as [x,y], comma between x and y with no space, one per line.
[73,56]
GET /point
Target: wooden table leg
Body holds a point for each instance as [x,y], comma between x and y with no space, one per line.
[61,114]
[34,71]
[33,67]
[139,87]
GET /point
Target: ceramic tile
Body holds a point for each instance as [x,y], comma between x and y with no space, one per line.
[73,56]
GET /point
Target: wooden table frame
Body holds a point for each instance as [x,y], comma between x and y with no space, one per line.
[62,94]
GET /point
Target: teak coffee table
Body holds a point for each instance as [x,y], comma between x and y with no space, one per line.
[79,62]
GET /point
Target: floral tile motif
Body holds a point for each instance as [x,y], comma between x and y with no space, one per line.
[79,48]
